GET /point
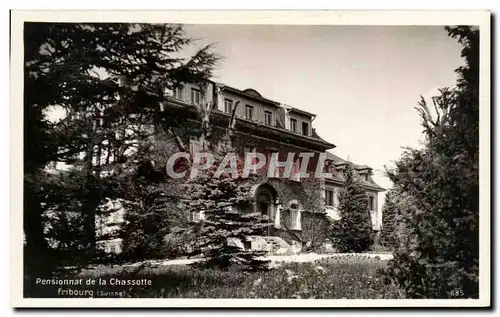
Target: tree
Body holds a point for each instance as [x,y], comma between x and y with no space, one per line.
[442,182]
[353,232]
[106,121]
[151,204]
[224,225]
[315,223]
[218,196]
[389,222]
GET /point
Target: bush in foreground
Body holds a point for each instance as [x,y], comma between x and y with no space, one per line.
[439,256]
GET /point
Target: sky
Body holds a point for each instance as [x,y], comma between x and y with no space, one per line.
[362,82]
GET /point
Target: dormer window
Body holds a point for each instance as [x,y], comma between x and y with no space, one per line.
[331,167]
[305,128]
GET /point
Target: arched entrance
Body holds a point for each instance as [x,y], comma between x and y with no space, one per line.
[266,201]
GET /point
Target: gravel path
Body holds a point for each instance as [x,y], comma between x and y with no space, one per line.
[303,257]
[311,257]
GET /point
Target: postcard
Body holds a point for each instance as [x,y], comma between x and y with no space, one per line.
[250,159]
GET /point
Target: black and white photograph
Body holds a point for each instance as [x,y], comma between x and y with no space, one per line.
[323,158]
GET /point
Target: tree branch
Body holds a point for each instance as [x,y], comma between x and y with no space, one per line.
[232,121]
[178,140]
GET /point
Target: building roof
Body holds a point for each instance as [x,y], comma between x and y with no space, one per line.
[338,161]
[339,178]
[249,93]
[254,94]
[317,136]
[300,111]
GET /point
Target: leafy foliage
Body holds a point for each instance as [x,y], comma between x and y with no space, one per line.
[440,255]
[315,224]
[353,232]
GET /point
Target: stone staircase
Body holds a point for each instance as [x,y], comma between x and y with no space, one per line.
[279,246]
[271,244]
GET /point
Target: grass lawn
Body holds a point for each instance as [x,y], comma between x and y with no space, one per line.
[345,277]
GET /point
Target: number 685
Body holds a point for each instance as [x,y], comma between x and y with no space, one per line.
[457,293]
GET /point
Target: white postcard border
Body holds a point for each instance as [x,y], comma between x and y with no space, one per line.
[480,18]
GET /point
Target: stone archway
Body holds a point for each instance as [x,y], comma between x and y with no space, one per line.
[266,202]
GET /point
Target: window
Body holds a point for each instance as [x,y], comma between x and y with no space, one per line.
[268,117]
[195,96]
[248,112]
[295,173]
[179,92]
[197,216]
[116,217]
[293,125]
[228,106]
[194,145]
[295,216]
[305,128]
[254,159]
[269,154]
[371,202]
[329,194]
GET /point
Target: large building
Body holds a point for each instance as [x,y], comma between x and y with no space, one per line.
[299,208]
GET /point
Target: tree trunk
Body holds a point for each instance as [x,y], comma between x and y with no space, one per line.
[36,261]
[89,203]
[33,229]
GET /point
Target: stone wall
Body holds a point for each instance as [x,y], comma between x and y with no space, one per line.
[315,224]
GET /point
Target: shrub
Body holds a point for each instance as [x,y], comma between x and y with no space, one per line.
[178,243]
[354,231]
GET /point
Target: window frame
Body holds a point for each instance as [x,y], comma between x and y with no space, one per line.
[231,103]
[270,113]
[371,203]
[197,216]
[293,125]
[194,145]
[249,109]
[332,198]
[295,215]
[178,88]
[305,133]
[195,92]
[116,217]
